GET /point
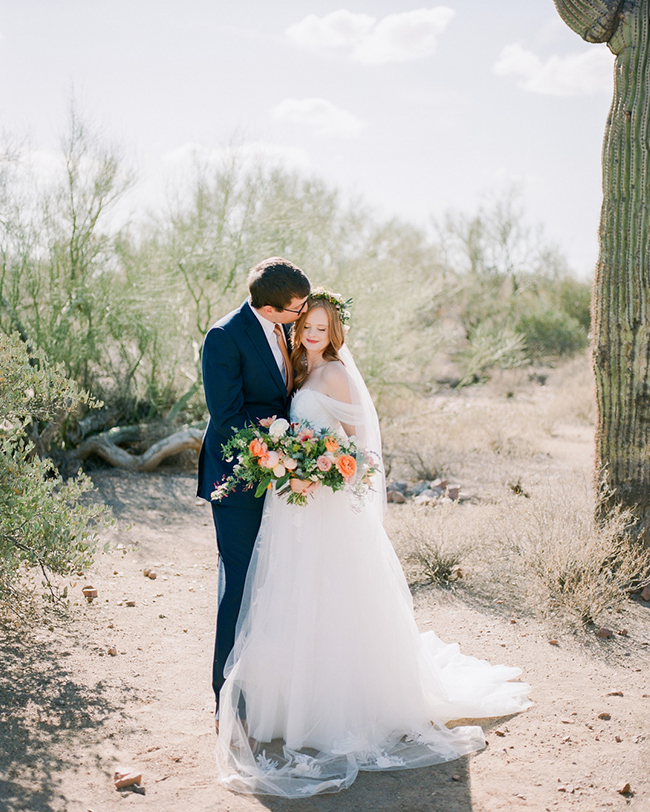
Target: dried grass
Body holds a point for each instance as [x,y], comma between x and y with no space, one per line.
[427,542]
[574,565]
[530,537]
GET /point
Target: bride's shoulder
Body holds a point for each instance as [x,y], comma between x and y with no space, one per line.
[336,382]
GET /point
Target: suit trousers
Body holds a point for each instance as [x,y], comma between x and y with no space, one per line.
[236,530]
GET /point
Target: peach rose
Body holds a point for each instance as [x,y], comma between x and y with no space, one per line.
[270,460]
[331,445]
[323,463]
[290,464]
[305,434]
[256,448]
[346,465]
[266,421]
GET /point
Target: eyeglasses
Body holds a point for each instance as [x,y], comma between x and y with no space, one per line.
[299,311]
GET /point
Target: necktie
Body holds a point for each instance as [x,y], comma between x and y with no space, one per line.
[288,369]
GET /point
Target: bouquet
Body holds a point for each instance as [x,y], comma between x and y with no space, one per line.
[276,451]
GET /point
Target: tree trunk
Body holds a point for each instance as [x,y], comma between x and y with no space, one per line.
[621,300]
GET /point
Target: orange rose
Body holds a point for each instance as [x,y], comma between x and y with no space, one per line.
[255,447]
[346,465]
[331,445]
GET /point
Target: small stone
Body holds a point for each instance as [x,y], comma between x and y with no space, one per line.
[623,632]
[112,651]
[456,778]
[399,486]
[420,486]
[153,575]
[89,592]
[615,693]
[126,779]
[427,496]
[146,572]
[453,494]
[499,733]
[129,603]
[645,593]
[604,633]
[624,788]
[605,716]
[568,721]
[553,643]
[396,497]
[618,739]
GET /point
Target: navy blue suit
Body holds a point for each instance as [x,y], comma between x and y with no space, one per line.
[242,384]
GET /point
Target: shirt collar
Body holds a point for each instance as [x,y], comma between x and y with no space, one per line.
[267,326]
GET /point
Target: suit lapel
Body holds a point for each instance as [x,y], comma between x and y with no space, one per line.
[259,341]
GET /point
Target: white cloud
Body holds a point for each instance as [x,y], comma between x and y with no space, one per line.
[325,117]
[573,75]
[395,38]
[341,29]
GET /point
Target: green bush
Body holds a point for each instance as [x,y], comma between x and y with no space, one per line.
[44,522]
[551,333]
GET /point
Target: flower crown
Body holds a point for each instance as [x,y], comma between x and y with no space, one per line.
[342,305]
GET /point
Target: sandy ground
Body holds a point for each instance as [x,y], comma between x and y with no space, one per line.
[70,712]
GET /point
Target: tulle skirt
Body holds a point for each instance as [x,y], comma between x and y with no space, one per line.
[329,670]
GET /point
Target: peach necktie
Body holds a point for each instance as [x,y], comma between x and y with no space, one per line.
[288,369]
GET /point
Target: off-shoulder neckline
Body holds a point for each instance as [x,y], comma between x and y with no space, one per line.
[322,394]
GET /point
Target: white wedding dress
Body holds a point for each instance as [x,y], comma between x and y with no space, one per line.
[329,667]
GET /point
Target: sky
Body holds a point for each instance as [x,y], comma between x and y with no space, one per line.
[417,108]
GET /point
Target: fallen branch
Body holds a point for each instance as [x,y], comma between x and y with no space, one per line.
[103,446]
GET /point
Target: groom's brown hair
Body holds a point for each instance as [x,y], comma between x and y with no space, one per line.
[276,282]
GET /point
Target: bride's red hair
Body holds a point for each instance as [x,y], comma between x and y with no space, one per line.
[337,338]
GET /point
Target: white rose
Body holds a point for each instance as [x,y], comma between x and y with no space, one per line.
[278,428]
[279,470]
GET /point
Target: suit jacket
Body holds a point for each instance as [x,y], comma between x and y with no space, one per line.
[242,383]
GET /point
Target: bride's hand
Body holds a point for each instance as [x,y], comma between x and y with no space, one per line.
[303,486]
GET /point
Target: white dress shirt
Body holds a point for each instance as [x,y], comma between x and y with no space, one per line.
[272,338]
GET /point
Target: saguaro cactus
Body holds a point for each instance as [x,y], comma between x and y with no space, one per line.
[621,300]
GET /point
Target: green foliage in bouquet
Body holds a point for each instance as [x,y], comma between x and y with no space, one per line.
[44,522]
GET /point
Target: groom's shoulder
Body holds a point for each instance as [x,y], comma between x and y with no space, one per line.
[234,320]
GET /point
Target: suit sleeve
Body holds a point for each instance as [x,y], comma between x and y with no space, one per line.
[222,382]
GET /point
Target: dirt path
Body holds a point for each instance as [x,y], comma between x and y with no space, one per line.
[72,712]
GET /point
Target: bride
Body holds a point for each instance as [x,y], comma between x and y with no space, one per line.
[329,674]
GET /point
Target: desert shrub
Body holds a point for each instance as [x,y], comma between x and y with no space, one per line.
[44,521]
[574,299]
[490,347]
[431,551]
[579,567]
[549,333]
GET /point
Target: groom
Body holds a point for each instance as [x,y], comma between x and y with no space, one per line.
[246,376]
